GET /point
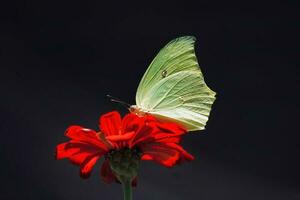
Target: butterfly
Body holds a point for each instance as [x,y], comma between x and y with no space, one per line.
[173,87]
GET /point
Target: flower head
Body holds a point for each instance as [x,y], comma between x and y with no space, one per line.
[123,143]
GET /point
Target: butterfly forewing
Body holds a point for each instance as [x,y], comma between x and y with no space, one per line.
[173,86]
[177,55]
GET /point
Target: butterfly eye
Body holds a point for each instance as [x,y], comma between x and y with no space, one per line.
[164,73]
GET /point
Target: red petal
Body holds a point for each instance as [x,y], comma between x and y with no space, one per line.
[106,173]
[139,125]
[68,149]
[146,157]
[131,122]
[79,158]
[184,154]
[154,131]
[85,135]
[159,137]
[142,135]
[87,166]
[110,123]
[160,153]
[167,139]
[78,152]
[119,138]
[63,152]
[171,128]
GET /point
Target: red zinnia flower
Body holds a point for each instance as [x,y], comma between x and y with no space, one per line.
[123,142]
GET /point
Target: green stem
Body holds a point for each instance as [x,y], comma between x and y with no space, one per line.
[127,190]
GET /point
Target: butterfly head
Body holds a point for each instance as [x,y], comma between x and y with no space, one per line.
[136,110]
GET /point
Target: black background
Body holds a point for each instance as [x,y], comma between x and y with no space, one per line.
[58,60]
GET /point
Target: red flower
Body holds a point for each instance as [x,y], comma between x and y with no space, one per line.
[143,137]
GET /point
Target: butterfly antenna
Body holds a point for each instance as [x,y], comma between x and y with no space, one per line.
[114,99]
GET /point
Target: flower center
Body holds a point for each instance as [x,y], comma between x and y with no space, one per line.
[124,162]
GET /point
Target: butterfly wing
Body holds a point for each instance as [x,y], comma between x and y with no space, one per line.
[173,86]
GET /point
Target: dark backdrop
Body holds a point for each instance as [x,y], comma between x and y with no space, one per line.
[59,59]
